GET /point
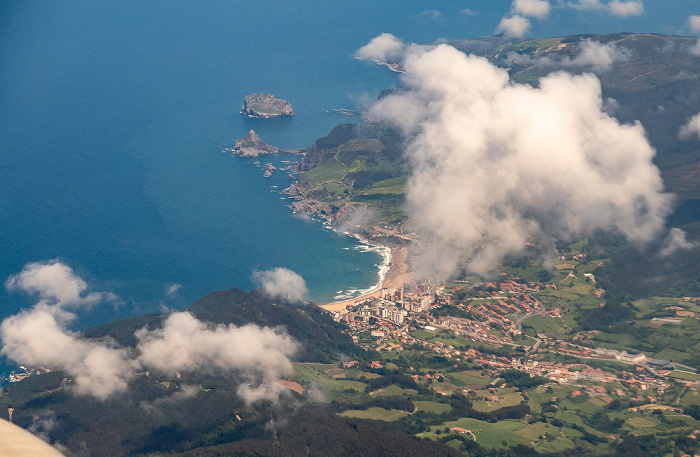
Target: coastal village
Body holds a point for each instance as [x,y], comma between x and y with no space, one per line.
[427,315]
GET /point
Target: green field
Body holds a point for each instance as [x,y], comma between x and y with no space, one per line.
[546,325]
[510,399]
[487,434]
[684,375]
[432,406]
[314,373]
[466,379]
[375,414]
[330,170]
[395,391]
[388,186]
[641,422]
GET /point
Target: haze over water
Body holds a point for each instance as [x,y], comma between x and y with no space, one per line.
[114,115]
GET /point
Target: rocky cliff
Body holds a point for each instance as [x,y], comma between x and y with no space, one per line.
[263,105]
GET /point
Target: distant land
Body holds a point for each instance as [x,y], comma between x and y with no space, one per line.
[264,105]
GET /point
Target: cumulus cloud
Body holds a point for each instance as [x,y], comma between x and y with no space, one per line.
[497,164]
[282,283]
[56,284]
[535,8]
[514,26]
[586,5]
[383,48]
[469,12]
[626,8]
[35,337]
[159,405]
[675,241]
[694,23]
[695,49]
[432,14]
[42,424]
[173,289]
[621,8]
[39,336]
[599,56]
[184,343]
[593,55]
[691,128]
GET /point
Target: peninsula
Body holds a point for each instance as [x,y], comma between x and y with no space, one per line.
[263,105]
[252,146]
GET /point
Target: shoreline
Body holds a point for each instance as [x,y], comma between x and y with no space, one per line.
[393,273]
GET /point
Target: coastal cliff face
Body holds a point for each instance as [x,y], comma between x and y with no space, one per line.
[336,215]
[264,105]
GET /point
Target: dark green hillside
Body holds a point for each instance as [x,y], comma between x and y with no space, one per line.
[123,330]
[319,336]
[315,432]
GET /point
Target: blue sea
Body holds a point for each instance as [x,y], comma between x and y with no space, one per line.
[113,116]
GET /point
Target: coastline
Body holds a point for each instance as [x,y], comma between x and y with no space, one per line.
[393,273]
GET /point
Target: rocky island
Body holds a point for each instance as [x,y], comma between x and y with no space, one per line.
[263,105]
[252,146]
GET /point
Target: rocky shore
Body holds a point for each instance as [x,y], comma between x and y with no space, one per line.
[335,215]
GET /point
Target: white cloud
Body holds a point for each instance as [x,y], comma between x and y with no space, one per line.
[281,282]
[173,289]
[587,5]
[691,128]
[626,8]
[676,240]
[56,284]
[622,8]
[535,8]
[593,55]
[34,337]
[695,48]
[38,337]
[432,14]
[187,344]
[497,164]
[599,56]
[514,26]
[383,48]
[469,12]
[694,23]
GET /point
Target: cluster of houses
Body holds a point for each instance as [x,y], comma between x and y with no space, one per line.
[564,373]
[393,305]
[474,330]
[398,312]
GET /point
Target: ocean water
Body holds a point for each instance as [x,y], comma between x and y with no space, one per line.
[113,116]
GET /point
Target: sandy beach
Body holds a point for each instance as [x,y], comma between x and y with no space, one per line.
[396,276]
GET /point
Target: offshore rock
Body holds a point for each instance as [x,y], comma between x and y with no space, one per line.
[269,168]
[263,105]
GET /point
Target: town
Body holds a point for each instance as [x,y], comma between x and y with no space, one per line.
[418,314]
